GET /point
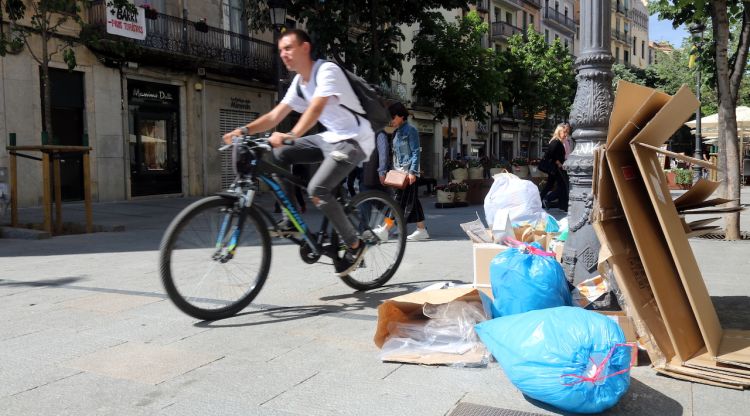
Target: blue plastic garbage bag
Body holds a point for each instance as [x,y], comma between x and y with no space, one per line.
[525,278]
[568,357]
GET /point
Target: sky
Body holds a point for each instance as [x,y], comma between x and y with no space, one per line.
[662,30]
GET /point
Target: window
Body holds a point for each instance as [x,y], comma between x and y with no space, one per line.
[557,36]
[509,18]
[546,35]
[531,20]
[68,6]
[643,49]
[634,45]
[617,55]
[566,11]
[566,43]
[524,21]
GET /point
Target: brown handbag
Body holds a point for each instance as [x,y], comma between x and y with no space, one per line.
[397,179]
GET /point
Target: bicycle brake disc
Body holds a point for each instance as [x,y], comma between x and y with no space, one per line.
[307,255]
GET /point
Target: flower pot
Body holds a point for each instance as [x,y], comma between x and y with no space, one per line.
[460,196]
[495,171]
[521,171]
[476,173]
[460,174]
[444,197]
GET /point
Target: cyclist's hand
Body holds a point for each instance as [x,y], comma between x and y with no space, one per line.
[277,139]
[382,180]
[232,134]
[412,178]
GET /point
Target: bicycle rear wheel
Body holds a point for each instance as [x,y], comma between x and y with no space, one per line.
[370,210]
[213,261]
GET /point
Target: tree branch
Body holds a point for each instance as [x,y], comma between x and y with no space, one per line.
[740,58]
[31,51]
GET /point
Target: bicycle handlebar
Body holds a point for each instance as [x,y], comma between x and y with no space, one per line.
[253,142]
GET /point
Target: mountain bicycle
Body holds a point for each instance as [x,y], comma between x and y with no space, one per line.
[215,255]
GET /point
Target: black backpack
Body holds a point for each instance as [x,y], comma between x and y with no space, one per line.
[375,112]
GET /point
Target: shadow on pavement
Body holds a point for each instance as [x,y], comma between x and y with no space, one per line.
[733,311]
[41,283]
[640,399]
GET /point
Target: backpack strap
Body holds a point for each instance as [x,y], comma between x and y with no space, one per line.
[314,76]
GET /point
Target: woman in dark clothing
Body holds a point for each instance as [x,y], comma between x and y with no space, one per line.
[556,177]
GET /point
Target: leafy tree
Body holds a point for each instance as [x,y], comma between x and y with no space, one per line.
[44,18]
[727,64]
[360,34]
[541,76]
[453,71]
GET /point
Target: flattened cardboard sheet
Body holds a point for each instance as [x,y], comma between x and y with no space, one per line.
[628,100]
[707,362]
[699,192]
[739,381]
[668,118]
[735,348]
[694,379]
[652,247]
[679,156]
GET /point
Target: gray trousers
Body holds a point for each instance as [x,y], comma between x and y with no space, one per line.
[338,159]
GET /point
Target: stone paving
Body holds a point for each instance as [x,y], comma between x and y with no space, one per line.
[87,329]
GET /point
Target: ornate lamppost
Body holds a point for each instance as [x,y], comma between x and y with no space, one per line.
[589,119]
[696,32]
[277,8]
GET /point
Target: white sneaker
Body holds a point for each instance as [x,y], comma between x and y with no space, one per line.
[381,232]
[419,234]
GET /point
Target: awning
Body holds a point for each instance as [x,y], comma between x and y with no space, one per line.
[422,115]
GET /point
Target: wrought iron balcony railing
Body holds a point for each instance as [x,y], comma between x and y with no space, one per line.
[623,37]
[620,8]
[503,30]
[179,36]
[560,18]
[396,90]
[534,3]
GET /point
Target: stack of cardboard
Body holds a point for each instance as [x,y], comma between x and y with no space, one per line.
[645,242]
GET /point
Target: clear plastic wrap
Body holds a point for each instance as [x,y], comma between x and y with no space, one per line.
[446,329]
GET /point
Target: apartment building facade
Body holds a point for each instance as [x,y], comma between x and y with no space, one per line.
[153,110]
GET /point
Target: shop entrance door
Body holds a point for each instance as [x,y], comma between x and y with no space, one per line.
[68,128]
[155,154]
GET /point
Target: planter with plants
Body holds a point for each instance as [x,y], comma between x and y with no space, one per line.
[457,168]
[683,178]
[459,190]
[499,167]
[520,167]
[476,169]
[533,169]
[444,196]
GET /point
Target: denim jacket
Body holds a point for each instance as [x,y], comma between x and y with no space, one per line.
[406,149]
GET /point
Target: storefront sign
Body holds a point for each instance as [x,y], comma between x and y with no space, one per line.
[424,126]
[240,103]
[122,22]
[150,93]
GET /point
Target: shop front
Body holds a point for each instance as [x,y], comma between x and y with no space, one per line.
[154,138]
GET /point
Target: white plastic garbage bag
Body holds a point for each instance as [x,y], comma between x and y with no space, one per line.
[518,197]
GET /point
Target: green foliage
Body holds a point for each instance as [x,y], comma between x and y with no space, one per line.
[519,161]
[475,163]
[452,164]
[541,76]
[454,71]
[683,176]
[361,34]
[456,187]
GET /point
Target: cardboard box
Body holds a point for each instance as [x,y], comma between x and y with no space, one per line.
[483,253]
[408,307]
[672,304]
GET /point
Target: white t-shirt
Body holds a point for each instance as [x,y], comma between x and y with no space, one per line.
[330,81]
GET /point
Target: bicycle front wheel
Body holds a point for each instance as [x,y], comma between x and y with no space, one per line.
[214,258]
[375,210]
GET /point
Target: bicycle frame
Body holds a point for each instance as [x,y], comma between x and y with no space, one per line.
[265,171]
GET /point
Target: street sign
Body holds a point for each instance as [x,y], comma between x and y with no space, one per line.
[122,22]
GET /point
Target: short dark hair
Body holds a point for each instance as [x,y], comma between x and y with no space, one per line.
[398,109]
[301,35]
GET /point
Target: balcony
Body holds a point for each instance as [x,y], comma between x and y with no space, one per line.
[534,3]
[396,90]
[176,42]
[565,22]
[503,30]
[620,8]
[623,37]
[512,4]
[483,6]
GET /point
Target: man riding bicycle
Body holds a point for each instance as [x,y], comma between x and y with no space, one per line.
[349,139]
